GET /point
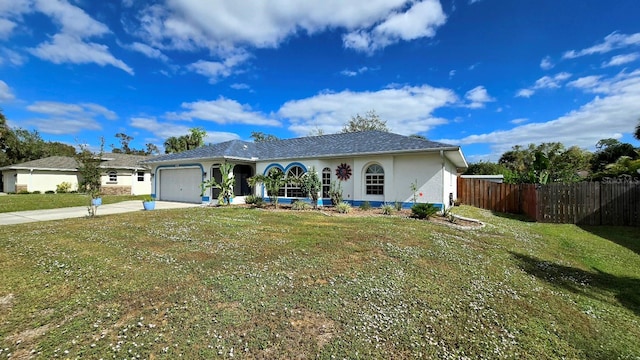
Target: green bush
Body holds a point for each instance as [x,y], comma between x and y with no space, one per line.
[49,192]
[300,205]
[343,208]
[387,209]
[424,210]
[37,192]
[63,187]
[23,192]
[335,193]
[254,200]
[398,205]
[365,206]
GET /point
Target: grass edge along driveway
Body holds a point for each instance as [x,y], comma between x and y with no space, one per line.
[26,202]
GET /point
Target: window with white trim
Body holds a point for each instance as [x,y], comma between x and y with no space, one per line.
[140,175]
[292,188]
[326,182]
[374,180]
[113,176]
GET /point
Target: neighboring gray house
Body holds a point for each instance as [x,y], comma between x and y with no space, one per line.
[378,167]
[123,174]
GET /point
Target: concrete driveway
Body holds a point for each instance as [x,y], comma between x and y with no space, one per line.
[21,217]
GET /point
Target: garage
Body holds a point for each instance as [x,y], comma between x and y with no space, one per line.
[180,184]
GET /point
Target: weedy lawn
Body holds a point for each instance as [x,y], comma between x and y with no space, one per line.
[247,283]
[25,202]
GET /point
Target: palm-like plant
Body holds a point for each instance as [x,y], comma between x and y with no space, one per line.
[272,181]
[225,185]
[637,133]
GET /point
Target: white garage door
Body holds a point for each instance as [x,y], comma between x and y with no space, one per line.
[180,184]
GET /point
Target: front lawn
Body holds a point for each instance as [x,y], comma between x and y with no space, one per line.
[247,283]
[24,202]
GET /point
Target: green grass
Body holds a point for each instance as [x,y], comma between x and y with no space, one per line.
[248,283]
[23,202]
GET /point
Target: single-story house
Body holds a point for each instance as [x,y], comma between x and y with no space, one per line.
[374,166]
[122,174]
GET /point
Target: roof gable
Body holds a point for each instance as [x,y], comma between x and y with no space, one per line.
[69,163]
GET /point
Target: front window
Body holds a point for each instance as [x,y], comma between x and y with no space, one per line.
[113,176]
[140,175]
[326,182]
[374,180]
[292,188]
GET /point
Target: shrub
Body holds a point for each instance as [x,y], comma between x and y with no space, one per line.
[63,187]
[335,193]
[365,206]
[387,209]
[23,192]
[424,210]
[49,192]
[300,205]
[398,205]
[343,208]
[37,192]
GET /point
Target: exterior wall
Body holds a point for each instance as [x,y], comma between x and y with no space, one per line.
[435,177]
[127,183]
[39,180]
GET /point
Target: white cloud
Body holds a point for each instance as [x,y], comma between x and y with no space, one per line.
[66,118]
[5,92]
[603,117]
[407,110]
[216,70]
[192,24]
[240,86]
[164,130]
[6,28]
[546,63]
[545,82]
[586,83]
[611,42]
[71,19]
[65,48]
[622,59]
[70,44]
[148,51]
[519,121]
[223,111]
[352,73]
[419,21]
[452,73]
[478,97]
[8,56]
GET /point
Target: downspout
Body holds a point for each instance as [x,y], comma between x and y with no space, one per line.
[30,179]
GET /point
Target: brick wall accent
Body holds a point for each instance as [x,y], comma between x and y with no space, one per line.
[115,190]
[21,187]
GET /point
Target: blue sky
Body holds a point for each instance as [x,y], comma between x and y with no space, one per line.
[484,74]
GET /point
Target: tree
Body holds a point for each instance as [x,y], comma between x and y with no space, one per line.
[152,149]
[90,174]
[259,136]
[225,185]
[272,181]
[193,140]
[637,132]
[607,160]
[370,121]
[311,185]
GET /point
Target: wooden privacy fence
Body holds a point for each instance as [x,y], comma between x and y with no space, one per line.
[585,203]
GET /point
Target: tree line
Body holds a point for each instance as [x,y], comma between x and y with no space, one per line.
[552,162]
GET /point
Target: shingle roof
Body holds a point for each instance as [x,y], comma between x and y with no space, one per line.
[68,163]
[333,145]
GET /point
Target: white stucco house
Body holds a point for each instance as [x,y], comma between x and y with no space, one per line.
[122,175]
[373,166]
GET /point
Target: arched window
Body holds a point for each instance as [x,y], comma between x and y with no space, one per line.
[292,188]
[374,180]
[326,182]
